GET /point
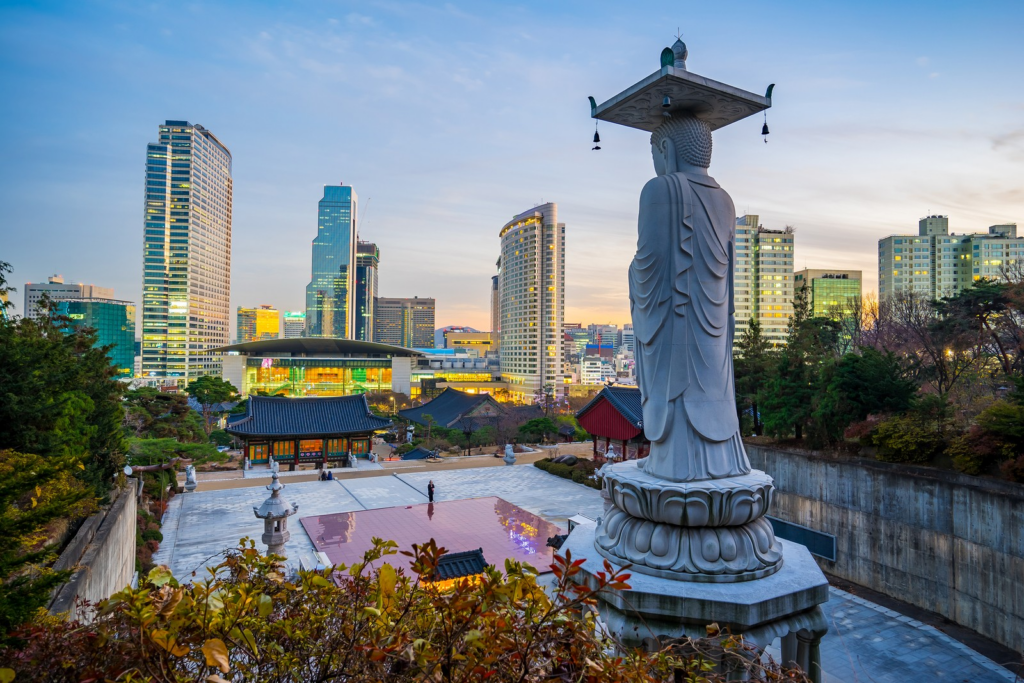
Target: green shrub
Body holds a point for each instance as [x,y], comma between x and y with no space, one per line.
[544,464]
[152,535]
[907,439]
[560,470]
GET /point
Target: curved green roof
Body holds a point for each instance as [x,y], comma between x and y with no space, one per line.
[317,346]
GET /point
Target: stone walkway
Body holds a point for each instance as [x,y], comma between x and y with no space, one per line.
[866,643]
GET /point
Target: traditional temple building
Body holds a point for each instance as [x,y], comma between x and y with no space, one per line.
[321,431]
[615,419]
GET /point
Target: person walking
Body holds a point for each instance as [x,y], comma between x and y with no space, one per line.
[430,491]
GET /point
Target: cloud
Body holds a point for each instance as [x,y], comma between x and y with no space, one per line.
[360,19]
[1008,139]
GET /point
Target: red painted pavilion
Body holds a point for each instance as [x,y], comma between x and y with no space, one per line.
[615,419]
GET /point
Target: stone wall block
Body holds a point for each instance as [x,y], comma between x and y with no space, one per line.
[943,541]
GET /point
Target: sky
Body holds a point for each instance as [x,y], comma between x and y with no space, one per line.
[450,118]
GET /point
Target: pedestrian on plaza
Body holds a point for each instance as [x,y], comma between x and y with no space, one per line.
[330,475]
[430,491]
[323,475]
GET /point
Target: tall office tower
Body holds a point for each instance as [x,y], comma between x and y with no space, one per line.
[404,322]
[830,293]
[186,286]
[367,265]
[114,322]
[763,279]
[294,323]
[934,263]
[605,336]
[330,294]
[495,306]
[627,338]
[532,290]
[257,324]
[57,290]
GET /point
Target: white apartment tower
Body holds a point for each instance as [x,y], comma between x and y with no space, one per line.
[532,302]
[935,263]
[186,263]
[763,279]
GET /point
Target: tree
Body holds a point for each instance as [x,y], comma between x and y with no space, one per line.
[154,414]
[859,385]
[789,395]
[373,621]
[59,395]
[537,429]
[35,491]
[752,367]
[211,391]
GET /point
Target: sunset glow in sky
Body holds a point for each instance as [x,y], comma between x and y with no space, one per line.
[450,118]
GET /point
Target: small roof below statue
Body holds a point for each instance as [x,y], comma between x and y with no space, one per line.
[642,105]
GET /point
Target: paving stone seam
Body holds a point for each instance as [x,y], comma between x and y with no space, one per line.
[947,641]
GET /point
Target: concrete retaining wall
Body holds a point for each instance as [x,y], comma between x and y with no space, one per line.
[104,551]
[939,540]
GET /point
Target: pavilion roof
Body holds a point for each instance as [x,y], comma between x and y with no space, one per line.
[459,565]
[310,416]
[625,400]
[448,407]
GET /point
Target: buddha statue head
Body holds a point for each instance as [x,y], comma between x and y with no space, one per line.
[681,143]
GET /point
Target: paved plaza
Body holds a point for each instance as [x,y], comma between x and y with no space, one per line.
[866,642]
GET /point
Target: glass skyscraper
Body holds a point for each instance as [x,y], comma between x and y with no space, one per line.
[367,262]
[186,284]
[330,294]
[114,322]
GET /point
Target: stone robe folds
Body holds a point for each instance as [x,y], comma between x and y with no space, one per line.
[681,299]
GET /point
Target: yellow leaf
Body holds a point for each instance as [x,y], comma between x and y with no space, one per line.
[34,502]
[81,466]
[159,575]
[387,579]
[216,654]
[214,678]
[6,675]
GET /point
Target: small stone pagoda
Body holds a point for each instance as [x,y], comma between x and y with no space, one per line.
[275,512]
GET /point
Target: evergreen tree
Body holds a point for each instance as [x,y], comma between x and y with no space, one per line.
[753,364]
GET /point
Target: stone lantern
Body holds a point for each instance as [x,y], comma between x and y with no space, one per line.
[275,512]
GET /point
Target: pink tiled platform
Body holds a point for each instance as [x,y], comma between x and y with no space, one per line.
[502,529]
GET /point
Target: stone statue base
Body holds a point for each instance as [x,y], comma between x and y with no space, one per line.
[710,531]
[783,605]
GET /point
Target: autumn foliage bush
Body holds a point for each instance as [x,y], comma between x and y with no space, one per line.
[372,621]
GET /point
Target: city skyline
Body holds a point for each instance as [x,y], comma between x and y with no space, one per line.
[851,158]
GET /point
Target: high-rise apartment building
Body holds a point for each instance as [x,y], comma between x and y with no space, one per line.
[830,293]
[404,322]
[935,263]
[114,322]
[763,279]
[532,291]
[330,294]
[294,323]
[257,324]
[57,290]
[186,286]
[495,306]
[367,263]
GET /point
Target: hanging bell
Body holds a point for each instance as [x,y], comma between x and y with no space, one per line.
[764,129]
[597,138]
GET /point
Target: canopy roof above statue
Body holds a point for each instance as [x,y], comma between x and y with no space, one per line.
[641,105]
